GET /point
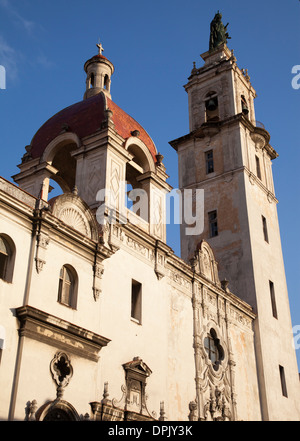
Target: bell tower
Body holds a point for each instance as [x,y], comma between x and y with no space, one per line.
[227,153]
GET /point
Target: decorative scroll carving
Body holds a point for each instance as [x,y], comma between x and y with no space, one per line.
[98,273]
[121,401]
[134,396]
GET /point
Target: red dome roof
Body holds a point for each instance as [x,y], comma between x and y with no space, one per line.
[85,118]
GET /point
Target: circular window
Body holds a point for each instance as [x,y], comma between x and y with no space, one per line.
[213,348]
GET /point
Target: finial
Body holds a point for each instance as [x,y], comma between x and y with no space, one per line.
[162,412]
[194,70]
[105,391]
[159,158]
[100,47]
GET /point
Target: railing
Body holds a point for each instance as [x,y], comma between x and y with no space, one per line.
[259,124]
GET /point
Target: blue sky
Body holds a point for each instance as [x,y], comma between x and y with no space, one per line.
[44,44]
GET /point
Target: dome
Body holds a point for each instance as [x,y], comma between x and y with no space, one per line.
[84,118]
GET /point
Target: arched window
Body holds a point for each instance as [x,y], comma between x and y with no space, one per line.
[214,349]
[106,82]
[7,258]
[65,163]
[134,171]
[67,289]
[92,80]
[57,411]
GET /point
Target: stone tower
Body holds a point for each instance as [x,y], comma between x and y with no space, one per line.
[227,153]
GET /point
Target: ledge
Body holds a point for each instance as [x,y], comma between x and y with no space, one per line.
[54,331]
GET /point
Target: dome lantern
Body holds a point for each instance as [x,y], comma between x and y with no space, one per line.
[98,74]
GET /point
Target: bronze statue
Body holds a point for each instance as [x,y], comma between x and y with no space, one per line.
[218,32]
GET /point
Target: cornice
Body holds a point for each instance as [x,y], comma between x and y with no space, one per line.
[44,327]
[212,128]
[255,180]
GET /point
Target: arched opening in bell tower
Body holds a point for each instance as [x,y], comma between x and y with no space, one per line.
[244,105]
[136,195]
[60,171]
[66,166]
[211,107]
[92,81]
[106,82]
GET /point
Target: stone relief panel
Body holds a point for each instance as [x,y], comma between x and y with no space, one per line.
[115,176]
[134,397]
[72,217]
[94,170]
[75,213]
[157,217]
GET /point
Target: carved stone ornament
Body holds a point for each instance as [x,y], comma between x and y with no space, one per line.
[204,263]
[42,245]
[72,217]
[134,393]
[75,213]
[215,377]
[30,410]
[193,411]
[39,264]
[98,273]
[217,407]
[215,369]
[61,369]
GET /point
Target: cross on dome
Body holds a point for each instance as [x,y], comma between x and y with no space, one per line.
[100,47]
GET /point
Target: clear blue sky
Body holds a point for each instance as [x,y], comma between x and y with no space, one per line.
[44,44]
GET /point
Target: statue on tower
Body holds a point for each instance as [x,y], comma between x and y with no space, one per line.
[218,32]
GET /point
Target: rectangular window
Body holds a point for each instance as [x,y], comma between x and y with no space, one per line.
[258,172]
[265,229]
[209,159]
[136,301]
[283,383]
[273,302]
[213,223]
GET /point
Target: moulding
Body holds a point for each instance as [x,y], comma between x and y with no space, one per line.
[59,333]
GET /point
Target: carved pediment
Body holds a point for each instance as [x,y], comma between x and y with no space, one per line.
[138,366]
[205,264]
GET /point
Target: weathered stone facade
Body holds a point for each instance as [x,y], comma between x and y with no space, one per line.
[100,320]
[228,155]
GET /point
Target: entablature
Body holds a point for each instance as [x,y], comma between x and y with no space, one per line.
[54,331]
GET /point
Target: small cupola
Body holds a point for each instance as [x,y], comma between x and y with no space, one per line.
[98,74]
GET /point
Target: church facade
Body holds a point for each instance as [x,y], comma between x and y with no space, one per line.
[100,320]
